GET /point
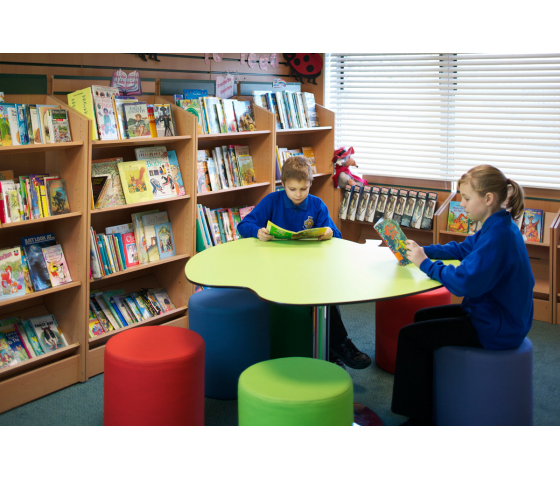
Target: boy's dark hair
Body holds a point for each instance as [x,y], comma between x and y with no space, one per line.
[297,168]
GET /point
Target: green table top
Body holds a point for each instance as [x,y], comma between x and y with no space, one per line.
[308,272]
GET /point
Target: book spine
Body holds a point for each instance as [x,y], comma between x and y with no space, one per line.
[32,337]
[25,341]
[106,310]
[115,310]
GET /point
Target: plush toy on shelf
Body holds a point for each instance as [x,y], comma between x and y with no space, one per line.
[342,160]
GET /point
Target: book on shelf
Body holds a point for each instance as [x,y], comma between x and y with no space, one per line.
[532,227]
[220,169]
[57,197]
[399,208]
[165,123]
[231,162]
[163,299]
[221,117]
[94,325]
[99,186]
[300,111]
[103,312]
[381,204]
[213,174]
[149,222]
[22,124]
[246,169]
[189,93]
[136,119]
[57,266]
[457,219]
[292,110]
[429,210]
[372,204]
[118,102]
[82,101]
[391,203]
[130,250]
[115,193]
[48,333]
[193,107]
[160,176]
[419,207]
[152,121]
[7,355]
[32,249]
[165,242]
[43,117]
[176,177]
[409,208]
[284,234]
[211,114]
[229,115]
[59,126]
[12,282]
[354,200]
[394,238]
[245,116]
[135,180]
[106,118]
[343,211]
[310,109]
[15,343]
[309,155]
[362,205]
[202,174]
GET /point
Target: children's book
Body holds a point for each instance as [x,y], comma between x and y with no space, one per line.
[283,234]
[59,125]
[120,304]
[7,356]
[106,119]
[220,170]
[202,176]
[141,304]
[457,220]
[99,314]
[136,182]
[189,93]
[391,203]
[32,338]
[372,204]
[133,308]
[300,111]
[118,102]
[82,100]
[343,211]
[221,117]
[244,115]
[225,168]
[14,124]
[163,299]
[211,114]
[149,222]
[94,325]
[409,208]
[532,228]
[245,211]
[309,155]
[12,282]
[193,107]
[99,299]
[160,176]
[310,109]
[56,265]
[15,342]
[231,163]
[229,115]
[141,244]
[49,334]
[5,133]
[381,205]
[399,208]
[354,200]
[115,193]
[22,124]
[428,217]
[247,170]
[165,123]
[33,250]
[57,197]
[152,120]
[362,205]
[99,186]
[419,210]
[137,122]
[165,242]
[130,250]
[394,238]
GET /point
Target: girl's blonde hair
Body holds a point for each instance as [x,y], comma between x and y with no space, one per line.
[297,168]
[488,179]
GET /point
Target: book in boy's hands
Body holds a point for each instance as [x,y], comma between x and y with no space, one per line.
[49,334]
[283,234]
[532,227]
[394,238]
[56,265]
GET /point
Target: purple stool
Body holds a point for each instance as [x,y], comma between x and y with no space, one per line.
[482,387]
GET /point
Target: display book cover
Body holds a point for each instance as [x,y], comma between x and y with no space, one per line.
[148,223]
[457,219]
[165,122]
[372,204]
[33,251]
[57,197]
[114,196]
[137,122]
[48,333]
[135,179]
[409,208]
[391,203]
[532,226]
[165,241]
[245,116]
[399,208]
[57,266]
[394,238]
[193,107]
[12,342]
[12,277]
[429,210]
[419,209]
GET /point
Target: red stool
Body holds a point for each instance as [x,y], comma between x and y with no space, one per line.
[154,376]
[392,314]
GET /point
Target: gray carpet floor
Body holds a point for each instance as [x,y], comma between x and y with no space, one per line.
[82,404]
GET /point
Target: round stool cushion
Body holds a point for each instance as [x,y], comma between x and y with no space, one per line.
[235,326]
[154,376]
[295,392]
[392,314]
[291,331]
[481,387]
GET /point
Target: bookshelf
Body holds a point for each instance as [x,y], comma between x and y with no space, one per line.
[45,374]
[556,271]
[359,231]
[542,255]
[169,272]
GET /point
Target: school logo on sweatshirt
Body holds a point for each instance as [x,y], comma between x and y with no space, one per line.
[308,223]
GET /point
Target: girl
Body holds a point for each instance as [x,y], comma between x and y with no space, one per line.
[494,278]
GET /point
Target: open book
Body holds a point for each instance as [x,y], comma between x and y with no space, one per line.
[281,233]
[394,238]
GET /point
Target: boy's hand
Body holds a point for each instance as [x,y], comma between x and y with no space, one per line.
[264,235]
[415,253]
[328,234]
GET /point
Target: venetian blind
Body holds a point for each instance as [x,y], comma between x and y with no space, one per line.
[437,115]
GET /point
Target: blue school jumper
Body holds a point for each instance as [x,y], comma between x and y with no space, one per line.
[278,208]
[494,277]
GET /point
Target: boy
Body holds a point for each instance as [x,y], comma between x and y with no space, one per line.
[295,209]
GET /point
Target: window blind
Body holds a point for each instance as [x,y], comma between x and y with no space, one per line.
[435,116]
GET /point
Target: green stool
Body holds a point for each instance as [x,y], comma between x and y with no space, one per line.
[295,392]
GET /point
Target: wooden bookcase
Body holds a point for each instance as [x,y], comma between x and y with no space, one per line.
[359,231]
[45,374]
[169,272]
[556,271]
[542,255]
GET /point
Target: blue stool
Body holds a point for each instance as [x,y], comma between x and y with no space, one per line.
[235,326]
[482,387]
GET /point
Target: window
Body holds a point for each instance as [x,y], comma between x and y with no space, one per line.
[437,115]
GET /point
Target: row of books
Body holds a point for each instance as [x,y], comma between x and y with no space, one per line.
[154,175]
[224,167]
[37,264]
[408,208]
[282,154]
[31,197]
[115,309]
[147,239]
[117,117]
[22,124]
[21,340]
[217,226]
[293,110]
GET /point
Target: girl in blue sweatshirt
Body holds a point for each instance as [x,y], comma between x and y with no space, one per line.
[494,278]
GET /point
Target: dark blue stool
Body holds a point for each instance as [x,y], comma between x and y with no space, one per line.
[235,326]
[482,387]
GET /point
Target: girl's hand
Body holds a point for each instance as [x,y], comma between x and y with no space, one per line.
[264,235]
[415,253]
[328,234]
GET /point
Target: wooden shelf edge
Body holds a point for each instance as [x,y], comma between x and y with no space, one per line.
[26,297]
[303,130]
[530,243]
[138,141]
[40,147]
[229,190]
[143,203]
[404,228]
[40,220]
[103,338]
[171,259]
[241,134]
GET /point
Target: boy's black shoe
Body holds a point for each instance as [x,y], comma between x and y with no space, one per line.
[350,355]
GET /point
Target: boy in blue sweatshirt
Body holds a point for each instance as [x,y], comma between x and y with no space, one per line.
[494,278]
[295,209]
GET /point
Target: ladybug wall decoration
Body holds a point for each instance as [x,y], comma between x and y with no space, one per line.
[305,65]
